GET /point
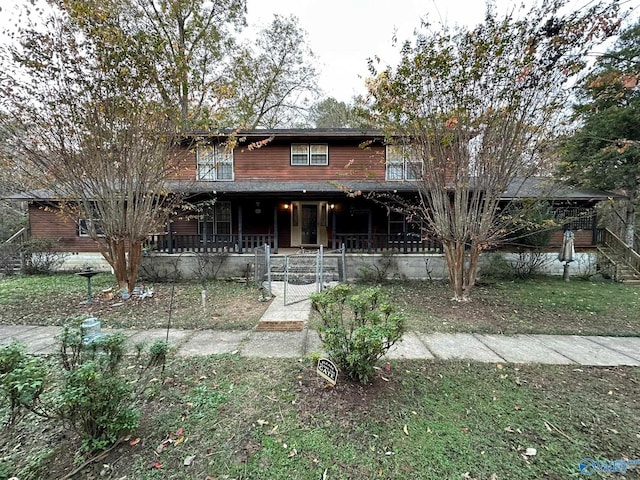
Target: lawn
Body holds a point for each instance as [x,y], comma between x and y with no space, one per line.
[55,299]
[240,418]
[540,305]
[254,419]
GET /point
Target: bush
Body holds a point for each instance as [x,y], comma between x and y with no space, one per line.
[97,405]
[40,257]
[94,394]
[22,379]
[357,328]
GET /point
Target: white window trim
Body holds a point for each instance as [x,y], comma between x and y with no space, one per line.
[406,163]
[309,147]
[214,156]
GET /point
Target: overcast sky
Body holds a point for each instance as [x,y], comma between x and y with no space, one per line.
[343,34]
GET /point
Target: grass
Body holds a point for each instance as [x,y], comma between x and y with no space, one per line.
[253,419]
[55,299]
[540,305]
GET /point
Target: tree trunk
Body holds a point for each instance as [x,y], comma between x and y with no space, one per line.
[462,271]
[454,255]
[630,223]
[126,265]
[135,259]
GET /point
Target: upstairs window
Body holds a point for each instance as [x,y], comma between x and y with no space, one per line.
[309,154]
[215,163]
[402,163]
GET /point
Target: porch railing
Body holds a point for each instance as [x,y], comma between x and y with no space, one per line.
[171,243]
[383,242]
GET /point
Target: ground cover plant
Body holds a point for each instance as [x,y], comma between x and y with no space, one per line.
[53,299]
[229,417]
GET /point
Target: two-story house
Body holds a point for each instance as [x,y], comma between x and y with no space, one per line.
[298,188]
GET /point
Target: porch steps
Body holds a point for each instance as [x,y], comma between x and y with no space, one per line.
[280,326]
[304,269]
[613,264]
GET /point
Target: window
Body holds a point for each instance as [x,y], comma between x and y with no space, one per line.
[215,163]
[401,228]
[402,163]
[84,226]
[216,221]
[309,154]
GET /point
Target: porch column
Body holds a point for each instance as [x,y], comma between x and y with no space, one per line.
[169,238]
[369,230]
[275,228]
[333,229]
[240,228]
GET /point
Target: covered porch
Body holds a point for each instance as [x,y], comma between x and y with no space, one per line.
[239,225]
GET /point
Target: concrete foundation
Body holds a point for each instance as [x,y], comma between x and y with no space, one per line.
[412,266]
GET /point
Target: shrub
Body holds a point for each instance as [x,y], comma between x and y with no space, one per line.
[40,257]
[22,379]
[357,328]
[94,394]
[97,405]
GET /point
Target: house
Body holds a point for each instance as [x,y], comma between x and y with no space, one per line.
[300,189]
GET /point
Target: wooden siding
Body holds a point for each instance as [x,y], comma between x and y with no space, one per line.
[273,162]
[186,170]
[51,224]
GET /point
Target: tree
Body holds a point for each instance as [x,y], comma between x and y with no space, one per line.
[181,46]
[78,125]
[472,109]
[331,113]
[604,152]
[274,79]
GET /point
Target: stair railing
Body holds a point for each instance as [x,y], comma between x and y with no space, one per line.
[621,249]
[21,232]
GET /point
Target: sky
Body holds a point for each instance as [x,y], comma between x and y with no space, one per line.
[343,34]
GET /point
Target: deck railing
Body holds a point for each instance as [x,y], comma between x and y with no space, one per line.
[171,243]
[383,242]
[629,255]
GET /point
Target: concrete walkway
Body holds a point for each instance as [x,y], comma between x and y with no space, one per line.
[280,341]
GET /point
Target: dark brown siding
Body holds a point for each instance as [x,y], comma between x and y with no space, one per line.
[186,161]
[582,238]
[47,222]
[273,162]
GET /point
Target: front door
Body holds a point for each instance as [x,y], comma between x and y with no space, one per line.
[309,224]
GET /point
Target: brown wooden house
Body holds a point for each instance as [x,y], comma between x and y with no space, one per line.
[299,188]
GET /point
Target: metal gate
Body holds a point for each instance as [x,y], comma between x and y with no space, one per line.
[262,273]
[309,272]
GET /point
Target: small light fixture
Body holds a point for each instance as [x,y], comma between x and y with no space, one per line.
[332,206]
[286,206]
